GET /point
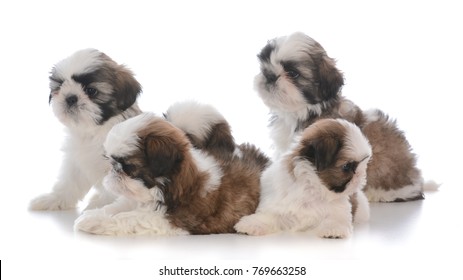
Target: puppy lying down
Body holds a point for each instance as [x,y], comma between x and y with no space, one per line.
[316,185]
[173,181]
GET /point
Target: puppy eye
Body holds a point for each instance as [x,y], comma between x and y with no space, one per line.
[91,92]
[349,167]
[293,74]
[127,168]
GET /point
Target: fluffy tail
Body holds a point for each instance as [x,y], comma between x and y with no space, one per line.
[206,127]
[194,118]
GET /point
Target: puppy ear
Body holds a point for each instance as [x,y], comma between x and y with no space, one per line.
[330,78]
[321,152]
[127,87]
[163,157]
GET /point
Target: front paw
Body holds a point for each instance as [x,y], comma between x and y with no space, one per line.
[253,225]
[96,222]
[99,200]
[49,201]
[335,232]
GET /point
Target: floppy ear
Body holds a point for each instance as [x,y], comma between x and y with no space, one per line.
[329,77]
[127,87]
[163,157]
[321,152]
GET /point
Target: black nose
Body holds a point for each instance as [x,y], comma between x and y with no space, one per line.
[271,78]
[71,100]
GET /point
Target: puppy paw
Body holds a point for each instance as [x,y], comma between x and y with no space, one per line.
[99,200]
[96,222]
[335,232]
[50,201]
[252,225]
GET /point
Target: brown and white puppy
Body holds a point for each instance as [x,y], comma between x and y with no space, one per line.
[301,84]
[90,93]
[167,186]
[317,185]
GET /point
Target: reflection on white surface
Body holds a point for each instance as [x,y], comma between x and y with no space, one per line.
[403,58]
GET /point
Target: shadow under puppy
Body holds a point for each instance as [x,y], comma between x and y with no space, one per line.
[89,94]
[317,185]
[167,186]
[301,84]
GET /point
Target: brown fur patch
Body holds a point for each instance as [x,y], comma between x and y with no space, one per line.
[165,152]
[329,77]
[393,165]
[322,144]
[219,142]
[126,87]
[338,107]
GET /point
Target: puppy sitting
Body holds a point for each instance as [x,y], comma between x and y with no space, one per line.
[301,84]
[167,186]
[316,185]
[90,93]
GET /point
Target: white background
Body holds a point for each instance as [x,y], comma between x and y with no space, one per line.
[404,57]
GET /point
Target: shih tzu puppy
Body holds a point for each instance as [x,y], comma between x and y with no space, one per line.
[317,185]
[301,84]
[171,181]
[90,93]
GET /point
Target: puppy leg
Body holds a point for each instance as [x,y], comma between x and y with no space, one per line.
[136,222]
[362,212]
[258,224]
[101,198]
[71,187]
[122,204]
[338,222]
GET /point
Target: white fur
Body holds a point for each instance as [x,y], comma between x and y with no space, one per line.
[83,165]
[122,140]
[357,143]
[142,220]
[362,215]
[139,210]
[292,47]
[209,165]
[381,195]
[287,99]
[194,118]
[126,186]
[297,200]
[83,61]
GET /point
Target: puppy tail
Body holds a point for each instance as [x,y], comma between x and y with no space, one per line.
[194,118]
[431,186]
[206,127]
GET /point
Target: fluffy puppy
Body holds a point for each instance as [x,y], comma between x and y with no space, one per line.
[167,186]
[301,84]
[90,93]
[316,185]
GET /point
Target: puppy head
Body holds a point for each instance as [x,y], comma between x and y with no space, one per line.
[145,152]
[339,153]
[88,88]
[296,72]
